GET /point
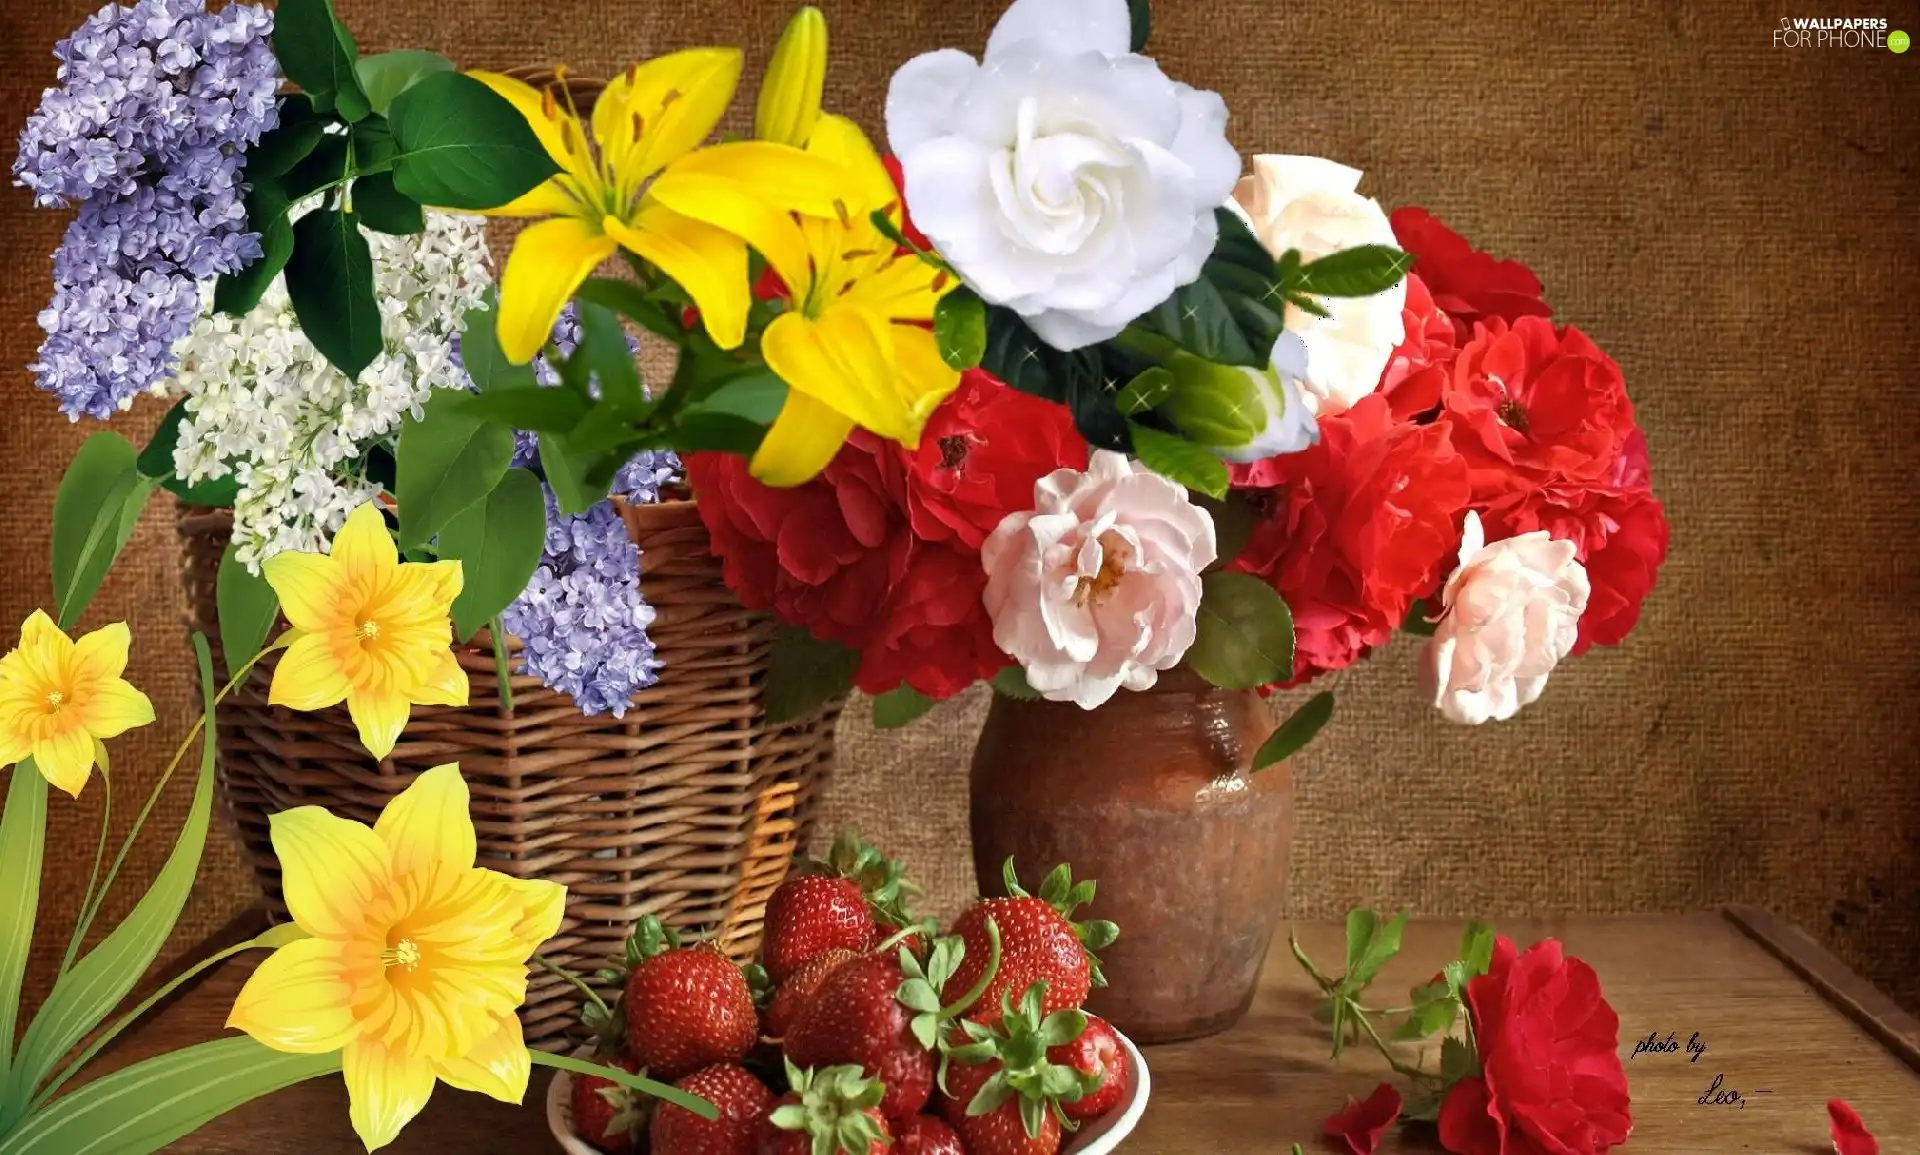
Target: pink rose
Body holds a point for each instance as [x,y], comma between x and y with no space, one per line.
[1098,587]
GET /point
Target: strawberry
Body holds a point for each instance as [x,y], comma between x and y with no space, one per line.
[926,1135]
[1039,944]
[835,1110]
[686,1007]
[883,1014]
[608,1115]
[743,1103]
[833,906]
[792,996]
[1002,1091]
[1096,1054]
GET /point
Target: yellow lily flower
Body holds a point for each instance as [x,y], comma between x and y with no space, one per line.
[789,104]
[854,346]
[416,960]
[367,630]
[59,699]
[613,187]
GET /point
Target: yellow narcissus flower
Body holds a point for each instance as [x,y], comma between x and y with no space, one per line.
[60,699]
[640,181]
[367,630]
[417,958]
[789,104]
[854,346]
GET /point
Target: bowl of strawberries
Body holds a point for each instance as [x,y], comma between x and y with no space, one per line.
[862,1031]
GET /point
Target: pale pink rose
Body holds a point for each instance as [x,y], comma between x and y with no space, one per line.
[1098,587]
[1509,614]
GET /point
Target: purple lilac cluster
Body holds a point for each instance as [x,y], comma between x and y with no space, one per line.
[582,619]
[146,133]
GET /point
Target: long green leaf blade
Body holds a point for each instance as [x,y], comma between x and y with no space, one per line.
[99,499]
[88,993]
[142,1108]
[23,833]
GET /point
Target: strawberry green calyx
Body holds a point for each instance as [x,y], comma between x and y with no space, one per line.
[608,1027]
[758,984]
[650,937]
[920,992]
[882,879]
[1019,1042]
[632,1111]
[837,1109]
[1064,895]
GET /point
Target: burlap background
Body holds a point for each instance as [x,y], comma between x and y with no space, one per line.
[1738,224]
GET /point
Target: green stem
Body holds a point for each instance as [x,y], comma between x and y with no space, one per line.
[500,671]
[580,983]
[903,934]
[1380,1043]
[82,920]
[640,1083]
[986,977]
[107,1036]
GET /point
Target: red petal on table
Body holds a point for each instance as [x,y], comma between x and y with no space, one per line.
[1362,1123]
[1850,1135]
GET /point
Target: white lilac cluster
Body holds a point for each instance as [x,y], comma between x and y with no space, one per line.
[266,407]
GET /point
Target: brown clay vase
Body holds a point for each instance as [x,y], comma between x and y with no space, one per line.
[1150,796]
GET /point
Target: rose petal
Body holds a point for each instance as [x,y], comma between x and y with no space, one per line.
[1849,1132]
[1361,1124]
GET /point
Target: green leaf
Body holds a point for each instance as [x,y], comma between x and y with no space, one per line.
[147,1106]
[388,74]
[536,410]
[449,460]
[604,351]
[757,397]
[248,608]
[1079,380]
[899,706]
[236,294]
[1456,1062]
[1236,310]
[156,462]
[1197,319]
[498,543]
[384,209]
[698,430]
[1384,944]
[960,329]
[1233,524]
[1476,948]
[83,997]
[633,302]
[330,282]
[1012,682]
[1146,391]
[276,152]
[1244,635]
[1417,622]
[1434,1011]
[1361,271]
[100,499]
[566,470]
[317,53]
[1140,15]
[1181,461]
[919,995]
[1298,730]
[373,146]
[460,145]
[1362,926]
[485,362]
[23,834]
[804,673]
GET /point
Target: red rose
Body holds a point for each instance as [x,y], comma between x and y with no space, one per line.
[907,228]
[1364,1121]
[980,455]
[1468,284]
[1551,1082]
[1356,529]
[1621,535]
[1848,1131]
[1417,370]
[1535,406]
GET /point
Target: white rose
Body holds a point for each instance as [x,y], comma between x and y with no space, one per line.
[1510,613]
[1063,176]
[1310,204]
[1099,586]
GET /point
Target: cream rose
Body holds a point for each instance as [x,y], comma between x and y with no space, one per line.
[1099,586]
[1063,176]
[1310,204]
[1509,614]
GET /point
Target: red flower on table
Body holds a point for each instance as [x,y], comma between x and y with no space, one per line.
[1355,530]
[1551,1081]
[1848,1131]
[1467,283]
[1360,1126]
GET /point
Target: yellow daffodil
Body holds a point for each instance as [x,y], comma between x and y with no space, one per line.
[417,958]
[367,630]
[640,181]
[59,699]
[854,345]
[789,104]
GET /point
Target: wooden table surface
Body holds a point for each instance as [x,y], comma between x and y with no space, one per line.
[1783,1023]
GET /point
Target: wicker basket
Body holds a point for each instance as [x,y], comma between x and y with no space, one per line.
[690,807]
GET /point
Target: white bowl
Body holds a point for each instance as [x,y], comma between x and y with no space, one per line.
[1099,1137]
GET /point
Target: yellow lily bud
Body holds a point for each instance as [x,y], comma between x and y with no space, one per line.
[789,104]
